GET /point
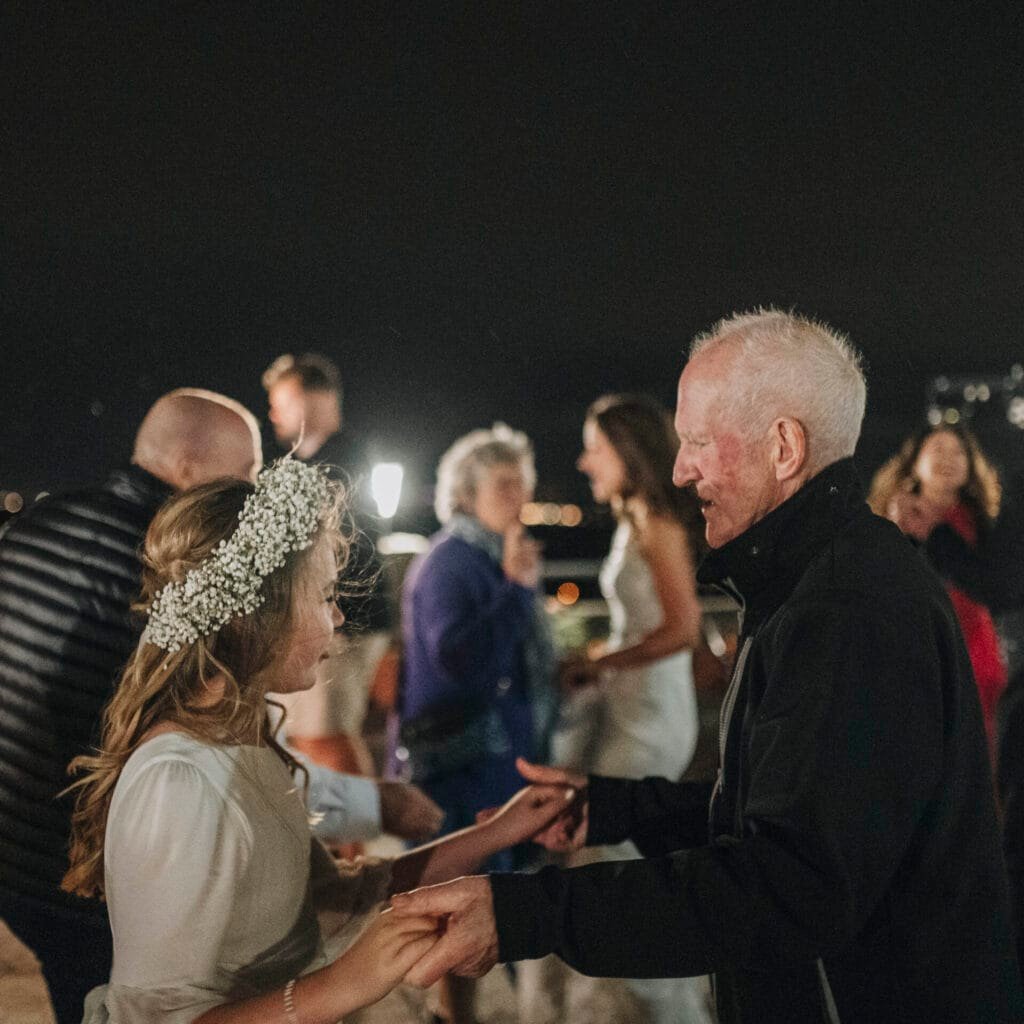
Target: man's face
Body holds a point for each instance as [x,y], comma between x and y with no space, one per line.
[731,474]
[287,410]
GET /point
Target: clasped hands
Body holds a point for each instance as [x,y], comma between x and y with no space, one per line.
[467,938]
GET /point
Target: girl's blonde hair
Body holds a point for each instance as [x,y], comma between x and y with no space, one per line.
[157,686]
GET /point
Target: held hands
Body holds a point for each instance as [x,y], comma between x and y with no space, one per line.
[530,811]
[386,951]
[567,830]
[407,812]
[520,560]
[469,945]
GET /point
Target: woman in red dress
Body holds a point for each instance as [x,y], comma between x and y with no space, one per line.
[941,478]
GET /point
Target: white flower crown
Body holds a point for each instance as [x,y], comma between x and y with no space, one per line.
[280,516]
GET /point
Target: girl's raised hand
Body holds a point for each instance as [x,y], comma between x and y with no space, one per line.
[530,811]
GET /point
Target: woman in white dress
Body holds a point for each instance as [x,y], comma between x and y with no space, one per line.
[633,710]
[190,821]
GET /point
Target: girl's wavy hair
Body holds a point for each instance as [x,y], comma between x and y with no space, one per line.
[640,430]
[982,493]
[157,686]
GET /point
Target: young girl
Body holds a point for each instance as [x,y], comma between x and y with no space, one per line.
[189,820]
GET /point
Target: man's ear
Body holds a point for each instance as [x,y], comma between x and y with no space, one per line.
[788,448]
[182,474]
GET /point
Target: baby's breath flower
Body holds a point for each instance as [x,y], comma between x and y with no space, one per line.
[280,516]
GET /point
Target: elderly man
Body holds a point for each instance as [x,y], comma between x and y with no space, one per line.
[845,866]
[69,569]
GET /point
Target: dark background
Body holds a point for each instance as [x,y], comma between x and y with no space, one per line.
[490,211]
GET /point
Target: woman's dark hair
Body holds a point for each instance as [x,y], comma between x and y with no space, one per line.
[981,494]
[640,430]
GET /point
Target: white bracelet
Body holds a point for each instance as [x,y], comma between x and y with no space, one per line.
[289,1003]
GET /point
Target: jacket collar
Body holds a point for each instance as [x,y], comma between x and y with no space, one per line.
[138,487]
[767,560]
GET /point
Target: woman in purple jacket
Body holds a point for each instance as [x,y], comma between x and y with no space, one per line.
[477,664]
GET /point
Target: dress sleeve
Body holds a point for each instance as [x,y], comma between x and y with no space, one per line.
[176,852]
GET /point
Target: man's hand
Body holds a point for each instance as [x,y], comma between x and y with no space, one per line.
[469,945]
[407,812]
[568,832]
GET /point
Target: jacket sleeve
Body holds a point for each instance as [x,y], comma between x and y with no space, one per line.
[841,761]
[462,635]
[659,816]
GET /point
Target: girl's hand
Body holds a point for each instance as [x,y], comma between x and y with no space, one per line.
[388,948]
[530,811]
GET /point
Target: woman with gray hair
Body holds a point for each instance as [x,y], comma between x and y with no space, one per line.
[476,683]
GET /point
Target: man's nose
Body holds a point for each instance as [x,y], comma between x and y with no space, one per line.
[683,471]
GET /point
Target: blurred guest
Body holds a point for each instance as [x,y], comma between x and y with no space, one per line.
[639,716]
[940,477]
[992,573]
[477,658]
[304,394]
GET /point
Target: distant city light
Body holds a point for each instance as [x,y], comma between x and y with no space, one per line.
[934,416]
[1015,412]
[386,487]
[952,415]
[572,515]
[13,502]
[546,513]
[568,594]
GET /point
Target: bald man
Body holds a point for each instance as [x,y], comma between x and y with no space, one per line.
[69,571]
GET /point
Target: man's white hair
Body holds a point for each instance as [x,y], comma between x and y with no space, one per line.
[462,466]
[788,365]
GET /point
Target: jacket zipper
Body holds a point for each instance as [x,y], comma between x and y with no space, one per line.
[832,1014]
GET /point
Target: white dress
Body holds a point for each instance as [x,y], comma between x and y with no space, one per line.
[638,721]
[210,871]
[633,723]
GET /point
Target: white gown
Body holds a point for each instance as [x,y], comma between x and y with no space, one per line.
[639,721]
[210,870]
[633,723]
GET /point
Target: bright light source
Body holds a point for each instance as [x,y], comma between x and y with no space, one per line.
[934,416]
[386,487]
[568,594]
[952,415]
[13,502]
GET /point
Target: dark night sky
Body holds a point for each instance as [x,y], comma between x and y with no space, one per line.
[491,211]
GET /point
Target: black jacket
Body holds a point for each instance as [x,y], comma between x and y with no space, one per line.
[69,569]
[853,870]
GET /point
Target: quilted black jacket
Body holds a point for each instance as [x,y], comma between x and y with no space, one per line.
[69,569]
